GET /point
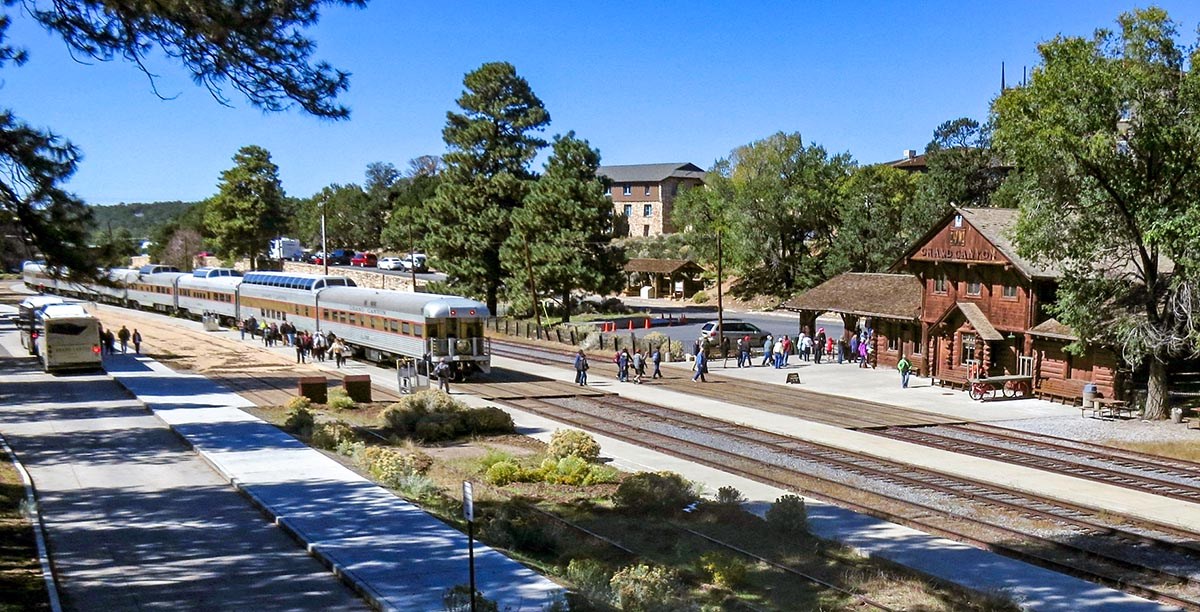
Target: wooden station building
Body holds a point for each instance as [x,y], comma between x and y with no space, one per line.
[980,309]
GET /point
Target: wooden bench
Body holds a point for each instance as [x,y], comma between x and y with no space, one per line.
[1063,390]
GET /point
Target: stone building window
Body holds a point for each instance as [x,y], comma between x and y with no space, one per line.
[628,210]
[628,190]
[647,190]
[608,190]
[647,210]
[645,230]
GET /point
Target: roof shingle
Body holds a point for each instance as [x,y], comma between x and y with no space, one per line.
[888,296]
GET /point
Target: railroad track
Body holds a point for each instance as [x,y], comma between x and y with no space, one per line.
[532,354]
[1173,479]
[1148,561]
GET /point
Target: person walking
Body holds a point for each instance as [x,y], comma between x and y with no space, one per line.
[319,347]
[442,373]
[137,341]
[787,348]
[767,344]
[841,350]
[741,350]
[862,353]
[581,368]
[701,367]
[819,345]
[339,352]
[123,336]
[854,348]
[905,367]
[639,366]
[110,342]
[656,359]
[623,365]
[298,342]
[777,351]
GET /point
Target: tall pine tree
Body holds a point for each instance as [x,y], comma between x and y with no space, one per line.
[564,231]
[248,208]
[490,146]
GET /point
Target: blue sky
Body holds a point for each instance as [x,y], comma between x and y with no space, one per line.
[644,82]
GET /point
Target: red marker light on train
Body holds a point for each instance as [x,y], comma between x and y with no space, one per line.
[34,335]
[453,313]
[96,349]
[472,312]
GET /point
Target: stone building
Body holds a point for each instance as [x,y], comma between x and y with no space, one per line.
[642,195]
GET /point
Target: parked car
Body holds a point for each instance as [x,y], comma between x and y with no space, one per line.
[341,257]
[364,260]
[734,330]
[416,262]
[390,263]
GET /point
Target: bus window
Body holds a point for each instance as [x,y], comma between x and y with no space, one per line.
[66,329]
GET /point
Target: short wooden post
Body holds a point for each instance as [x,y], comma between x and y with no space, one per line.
[314,388]
[358,387]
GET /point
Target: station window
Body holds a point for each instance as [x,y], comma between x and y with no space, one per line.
[939,284]
[974,288]
[968,349]
[894,341]
[1010,291]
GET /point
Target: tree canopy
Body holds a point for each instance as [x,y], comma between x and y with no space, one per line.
[878,218]
[491,145]
[563,232]
[247,210]
[962,167]
[255,48]
[1107,139]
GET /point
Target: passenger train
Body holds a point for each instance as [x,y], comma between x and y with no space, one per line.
[378,324]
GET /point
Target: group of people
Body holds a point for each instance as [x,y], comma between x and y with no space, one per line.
[108,340]
[636,363]
[307,344]
[778,350]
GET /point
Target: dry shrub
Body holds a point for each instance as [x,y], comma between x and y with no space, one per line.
[332,435]
[573,443]
[433,416]
[646,588]
[667,493]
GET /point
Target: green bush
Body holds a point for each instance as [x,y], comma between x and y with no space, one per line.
[573,443]
[700,297]
[788,515]
[417,486]
[299,402]
[338,400]
[489,420]
[729,496]
[511,526]
[458,599]
[391,466]
[725,571]
[569,470]
[492,457]
[646,588]
[591,578]
[403,416]
[502,473]
[332,434]
[300,419]
[349,448]
[655,492]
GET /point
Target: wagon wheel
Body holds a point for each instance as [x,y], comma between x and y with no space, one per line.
[978,390]
[1011,388]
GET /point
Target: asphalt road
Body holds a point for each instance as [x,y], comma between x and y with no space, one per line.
[775,323]
[431,276]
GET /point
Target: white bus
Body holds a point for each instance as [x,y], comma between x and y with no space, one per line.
[27,319]
[68,338]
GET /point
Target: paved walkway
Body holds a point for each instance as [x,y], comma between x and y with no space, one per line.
[138,522]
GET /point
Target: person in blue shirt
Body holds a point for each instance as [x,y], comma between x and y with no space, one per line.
[701,366]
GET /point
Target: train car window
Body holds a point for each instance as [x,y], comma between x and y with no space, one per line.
[418,330]
[406,328]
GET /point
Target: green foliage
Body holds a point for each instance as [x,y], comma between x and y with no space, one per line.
[664,493]
[350,222]
[514,527]
[962,167]
[729,496]
[416,486]
[390,466]
[409,220]
[591,578]
[431,416]
[726,571]
[788,515]
[700,297]
[573,443]
[563,231]
[490,146]
[1107,137]
[492,457]
[569,470]
[248,208]
[300,418]
[332,435]
[338,400]
[299,402]
[879,218]
[141,220]
[663,246]
[646,588]
[502,473]
[458,599]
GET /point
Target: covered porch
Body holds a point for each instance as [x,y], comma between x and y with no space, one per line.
[663,278]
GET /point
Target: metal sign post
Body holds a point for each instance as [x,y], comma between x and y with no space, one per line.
[469,514]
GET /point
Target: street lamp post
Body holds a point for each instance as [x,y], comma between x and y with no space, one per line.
[324,249]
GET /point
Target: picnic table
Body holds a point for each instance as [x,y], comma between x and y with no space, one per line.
[1107,407]
[1009,386]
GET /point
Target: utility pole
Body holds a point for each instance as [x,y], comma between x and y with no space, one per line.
[412,257]
[324,248]
[720,298]
[533,289]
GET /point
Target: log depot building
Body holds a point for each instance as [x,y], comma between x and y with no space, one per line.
[960,298]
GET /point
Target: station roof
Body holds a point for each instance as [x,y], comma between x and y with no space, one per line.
[663,266]
[1051,328]
[888,296]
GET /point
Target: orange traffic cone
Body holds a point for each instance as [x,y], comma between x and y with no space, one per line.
[647,322]
[631,325]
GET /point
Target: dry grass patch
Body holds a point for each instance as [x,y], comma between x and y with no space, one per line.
[1173,449]
[21,584]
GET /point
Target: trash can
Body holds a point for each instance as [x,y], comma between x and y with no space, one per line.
[648,292]
[1089,394]
[1177,415]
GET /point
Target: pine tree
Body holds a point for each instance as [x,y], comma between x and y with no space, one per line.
[248,208]
[486,178]
[564,231]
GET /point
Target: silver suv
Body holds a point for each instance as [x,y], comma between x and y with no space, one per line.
[735,330]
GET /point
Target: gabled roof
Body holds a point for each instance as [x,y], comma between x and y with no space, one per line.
[651,173]
[912,163]
[994,224]
[888,296]
[1051,328]
[663,266]
[979,321]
